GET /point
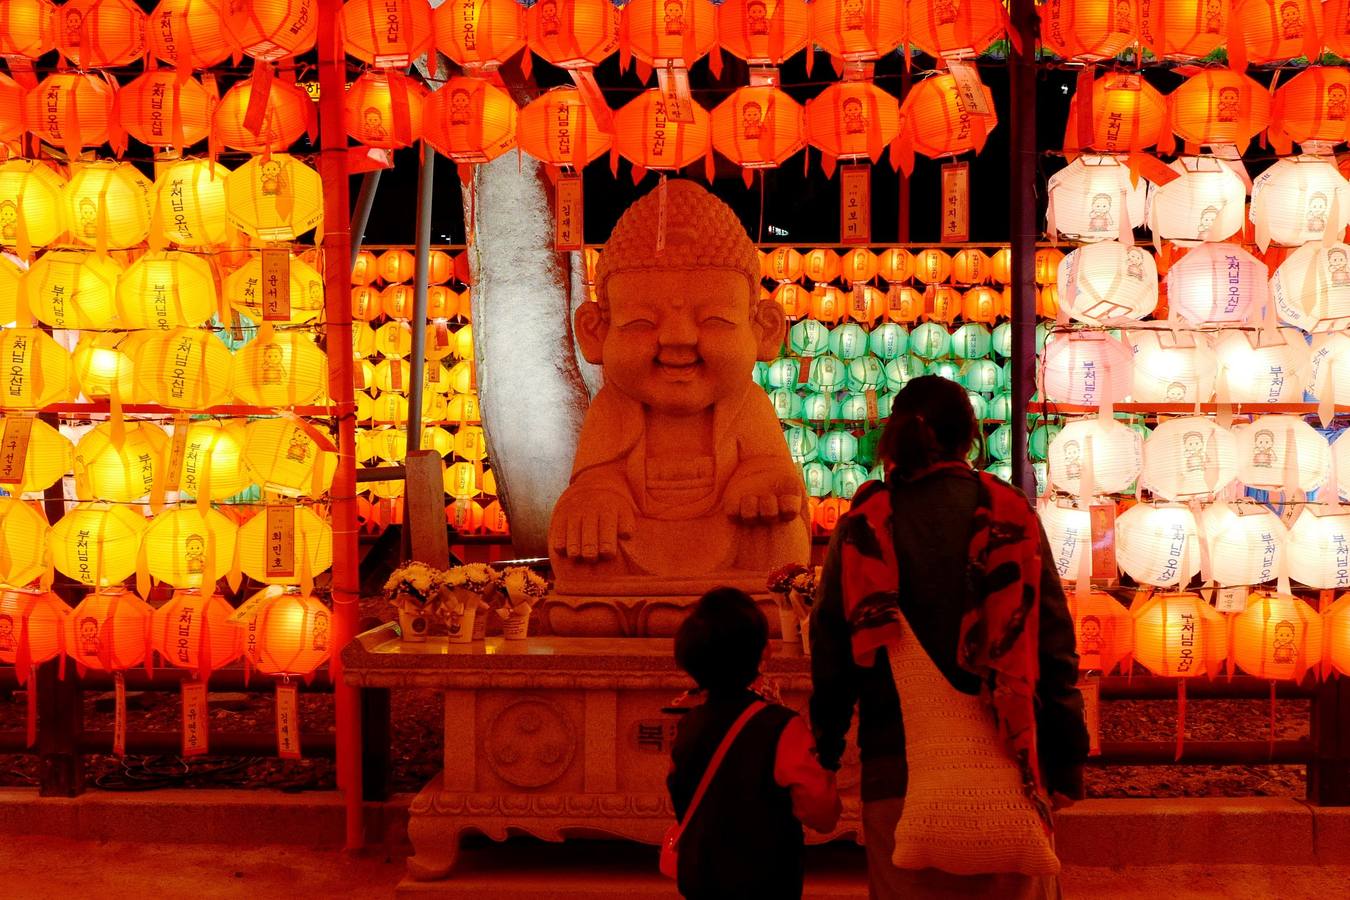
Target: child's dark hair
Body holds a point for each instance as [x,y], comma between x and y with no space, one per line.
[722,642]
[931,421]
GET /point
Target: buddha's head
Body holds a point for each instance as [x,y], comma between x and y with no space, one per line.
[680,328]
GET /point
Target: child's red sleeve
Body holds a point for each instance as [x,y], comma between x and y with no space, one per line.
[815,802]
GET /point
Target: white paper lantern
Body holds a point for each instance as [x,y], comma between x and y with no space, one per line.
[1171,367]
[1311,288]
[1069,532]
[1094,198]
[1190,458]
[1117,453]
[1298,200]
[1217,284]
[1264,449]
[1085,368]
[1157,545]
[1329,377]
[1319,549]
[1262,368]
[1206,202]
[1246,542]
[1340,449]
[1106,282]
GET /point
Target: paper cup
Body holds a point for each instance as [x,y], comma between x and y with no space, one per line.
[480,623]
[787,624]
[413,626]
[461,627]
[517,626]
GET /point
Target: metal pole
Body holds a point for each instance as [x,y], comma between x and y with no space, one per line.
[365,201]
[337,259]
[1022,229]
[421,275]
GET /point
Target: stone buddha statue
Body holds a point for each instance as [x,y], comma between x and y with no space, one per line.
[682,480]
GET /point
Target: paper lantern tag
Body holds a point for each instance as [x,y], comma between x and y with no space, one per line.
[288,721]
[280,541]
[119,748]
[177,450]
[247,610]
[969,88]
[804,370]
[1230,599]
[1091,689]
[569,216]
[1102,519]
[855,204]
[956,202]
[870,397]
[14,448]
[195,719]
[275,289]
[673,81]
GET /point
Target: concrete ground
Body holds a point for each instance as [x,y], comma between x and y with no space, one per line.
[40,867]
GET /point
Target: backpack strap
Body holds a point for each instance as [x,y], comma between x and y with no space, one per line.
[716,762]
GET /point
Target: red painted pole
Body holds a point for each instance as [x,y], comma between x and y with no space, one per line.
[337,305]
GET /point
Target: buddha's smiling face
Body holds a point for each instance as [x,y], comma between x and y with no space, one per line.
[679,342]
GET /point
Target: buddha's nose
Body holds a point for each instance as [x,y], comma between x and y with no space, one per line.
[678,330]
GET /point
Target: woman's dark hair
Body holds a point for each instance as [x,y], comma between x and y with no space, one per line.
[931,421]
[722,642]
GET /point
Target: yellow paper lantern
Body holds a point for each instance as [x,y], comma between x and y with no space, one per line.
[190,31]
[110,630]
[25,534]
[281,456]
[244,289]
[167,289]
[193,631]
[184,369]
[11,277]
[124,470]
[96,543]
[386,490]
[49,457]
[1278,636]
[471,443]
[461,481]
[101,364]
[73,289]
[494,519]
[164,109]
[463,408]
[32,629]
[39,370]
[1178,636]
[188,547]
[72,110]
[275,29]
[288,370]
[108,202]
[394,339]
[389,33]
[190,197]
[290,635]
[213,459]
[274,199]
[30,28]
[389,409]
[313,543]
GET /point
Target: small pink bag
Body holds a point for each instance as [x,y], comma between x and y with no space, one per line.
[670,844]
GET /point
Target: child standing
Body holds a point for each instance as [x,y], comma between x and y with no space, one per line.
[745,837]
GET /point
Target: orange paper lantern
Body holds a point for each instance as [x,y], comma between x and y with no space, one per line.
[858,29]
[896,265]
[1278,637]
[944,28]
[1128,114]
[384,109]
[287,114]
[646,137]
[189,32]
[573,34]
[387,32]
[1278,30]
[71,110]
[1089,29]
[290,635]
[275,29]
[30,28]
[758,127]
[763,32]
[193,631]
[852,120]
[479,34]
[1337,634]
[1178,636]
[97,33]
[109,631]
[558,128]
[11,109]
[1104,631]
[663,31]
[1336,31]
[164,109]
[1184,29]
[471,120]
[32,629]
[1312,106]
[936,122]
[1219,106]
[396,265]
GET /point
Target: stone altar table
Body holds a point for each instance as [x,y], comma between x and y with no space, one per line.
[553,737]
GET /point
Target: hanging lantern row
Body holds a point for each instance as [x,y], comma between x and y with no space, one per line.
[113,629]
[193,203]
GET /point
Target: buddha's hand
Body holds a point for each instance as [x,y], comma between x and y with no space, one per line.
[764,497]
[588,524]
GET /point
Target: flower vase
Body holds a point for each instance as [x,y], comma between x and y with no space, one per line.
[460,627]
[480,622]
[787,624]
[516,626]
[413,623]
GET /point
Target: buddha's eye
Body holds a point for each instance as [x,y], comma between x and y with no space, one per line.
[717,320]
[635,324]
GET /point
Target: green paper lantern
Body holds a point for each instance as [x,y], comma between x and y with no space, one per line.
[817,477]
[971,341]
[977,405]
[851,407]
[885,402]
[1000,341]
[1001,470]
[945,368]
[787,404]
[901,371]
[867,447]
[999,407]
[848,341]
[828,374]
[781,373]
[983,375]
[809,337]
[838,446]
[817,407]
[760,375]
[1038,442]
[999,443]
[803,444]
[888,341]
[867,373]
[930,341]
[846,479]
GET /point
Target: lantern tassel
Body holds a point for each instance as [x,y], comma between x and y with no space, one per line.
[31,717]
[119,747]
[1181,719]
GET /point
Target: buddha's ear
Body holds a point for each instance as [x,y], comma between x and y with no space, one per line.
[770,325]
[591,325]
